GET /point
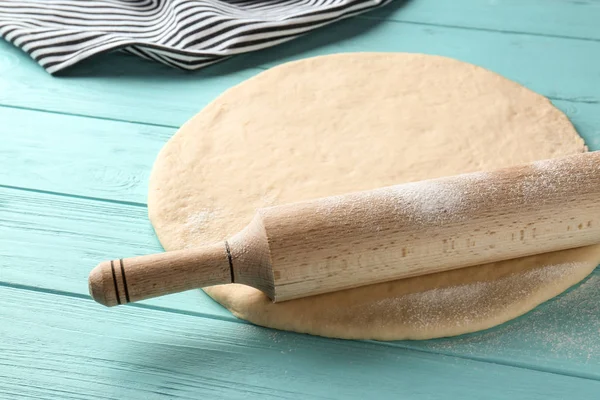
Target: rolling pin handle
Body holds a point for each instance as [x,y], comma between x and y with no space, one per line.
[132,279]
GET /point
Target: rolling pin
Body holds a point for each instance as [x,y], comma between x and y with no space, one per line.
[340,242]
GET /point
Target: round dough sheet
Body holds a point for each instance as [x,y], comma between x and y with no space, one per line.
[342,123]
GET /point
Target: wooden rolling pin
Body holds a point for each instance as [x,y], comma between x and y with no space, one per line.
[341,242]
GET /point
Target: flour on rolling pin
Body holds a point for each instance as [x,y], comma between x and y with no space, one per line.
[424,201]
[435,202]
[552,175]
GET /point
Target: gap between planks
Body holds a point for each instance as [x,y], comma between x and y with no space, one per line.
[77,115]
[75,196]
[475,28]
[81,296]
[174,126]
[406,345]
[232,348]
[259,63]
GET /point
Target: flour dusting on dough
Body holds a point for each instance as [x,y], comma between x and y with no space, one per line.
[466,303]
[196,223]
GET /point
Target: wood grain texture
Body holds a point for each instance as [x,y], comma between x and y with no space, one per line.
[561,336]
[130,353]
[302,249]
[114,86]
[61,346]
[105,159]
[342,242]
[112,160]
[71,237]
[559,68]
[128,280]
[126,88]
[328,244]
[575,18]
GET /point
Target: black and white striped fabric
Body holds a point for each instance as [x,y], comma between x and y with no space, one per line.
[188,34]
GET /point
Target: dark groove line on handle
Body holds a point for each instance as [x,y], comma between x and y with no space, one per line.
[124,280]
[112,268]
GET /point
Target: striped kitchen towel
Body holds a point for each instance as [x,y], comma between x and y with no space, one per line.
[187,34]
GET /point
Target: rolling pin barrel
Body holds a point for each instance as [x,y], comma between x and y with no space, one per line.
[362,238]
[435,225]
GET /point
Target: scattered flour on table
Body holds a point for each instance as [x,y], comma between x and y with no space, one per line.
[566,327]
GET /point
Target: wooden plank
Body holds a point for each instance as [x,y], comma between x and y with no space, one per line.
[543,17]
[546,340]
[105,159]
[58,347]
[70,238]
[115,86]
[112,159]
[53,242]
[124,88]
[491,346]
[556,67]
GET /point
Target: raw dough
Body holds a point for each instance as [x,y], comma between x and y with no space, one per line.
[335,124]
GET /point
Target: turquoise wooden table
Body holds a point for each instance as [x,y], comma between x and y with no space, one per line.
[75,155]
